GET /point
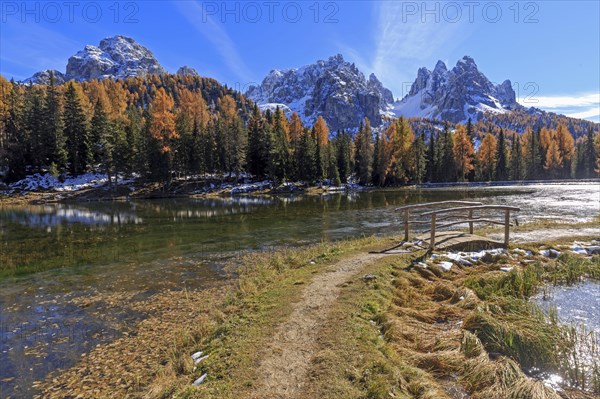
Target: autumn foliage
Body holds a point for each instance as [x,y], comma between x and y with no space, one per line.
[161,128]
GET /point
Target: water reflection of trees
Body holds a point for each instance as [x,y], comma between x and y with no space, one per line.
[99,215]
[102,214]
[204,208]
[48,216]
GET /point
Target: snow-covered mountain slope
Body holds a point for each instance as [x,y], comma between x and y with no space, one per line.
[455,95]
[43,77]
[332,88]
[115,57]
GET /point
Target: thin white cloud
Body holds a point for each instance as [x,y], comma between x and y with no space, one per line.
[218,36]
[582,106]
[32,48]
[563,101]
[592,114]
[402,45]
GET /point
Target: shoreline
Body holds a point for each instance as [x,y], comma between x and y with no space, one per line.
[507,183]
[179,189]
[215,188]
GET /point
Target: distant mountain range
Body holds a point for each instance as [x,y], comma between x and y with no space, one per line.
[334,88]
[339,92]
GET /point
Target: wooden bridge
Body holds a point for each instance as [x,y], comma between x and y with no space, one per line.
[453,213]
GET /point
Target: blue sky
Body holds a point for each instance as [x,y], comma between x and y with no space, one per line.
[550,50]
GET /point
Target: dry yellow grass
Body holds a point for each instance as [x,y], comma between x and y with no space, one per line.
[409,333]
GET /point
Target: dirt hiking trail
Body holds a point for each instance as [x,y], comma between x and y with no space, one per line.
[286,359]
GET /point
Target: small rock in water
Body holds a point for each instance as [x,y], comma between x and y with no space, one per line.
[200,380]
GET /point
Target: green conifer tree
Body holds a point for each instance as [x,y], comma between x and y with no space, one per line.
[76,132]
[501,165]
[54,132]
[364,153]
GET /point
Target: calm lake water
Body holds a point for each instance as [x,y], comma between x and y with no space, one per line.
[578,304]
[65,252]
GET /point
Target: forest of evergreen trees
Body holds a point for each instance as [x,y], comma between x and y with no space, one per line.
[170,126]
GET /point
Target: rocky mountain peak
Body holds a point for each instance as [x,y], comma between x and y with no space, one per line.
[440,67]
[506,94]
[43,77]
[116,57]
[455,95]
[336,59]
[377,86]
[332,88]
[187,71]
[423,75]
[468,61]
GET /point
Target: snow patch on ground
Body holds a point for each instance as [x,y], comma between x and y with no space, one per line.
[46,181]
[247,187]
[38,182]
[447,260]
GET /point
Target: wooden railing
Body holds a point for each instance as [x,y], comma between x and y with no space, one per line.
[406,210]
[467,208]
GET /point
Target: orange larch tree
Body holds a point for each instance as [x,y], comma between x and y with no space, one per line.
[554,161]
[566,148]
[463,152]
[487,157]
[321,131]
[162,127]
[296,128]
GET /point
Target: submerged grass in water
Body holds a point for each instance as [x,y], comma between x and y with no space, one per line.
[580,360]
[510,325]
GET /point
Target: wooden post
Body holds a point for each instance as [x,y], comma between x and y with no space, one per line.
[406,216]
[432,239]
[470,223]
[506,226]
